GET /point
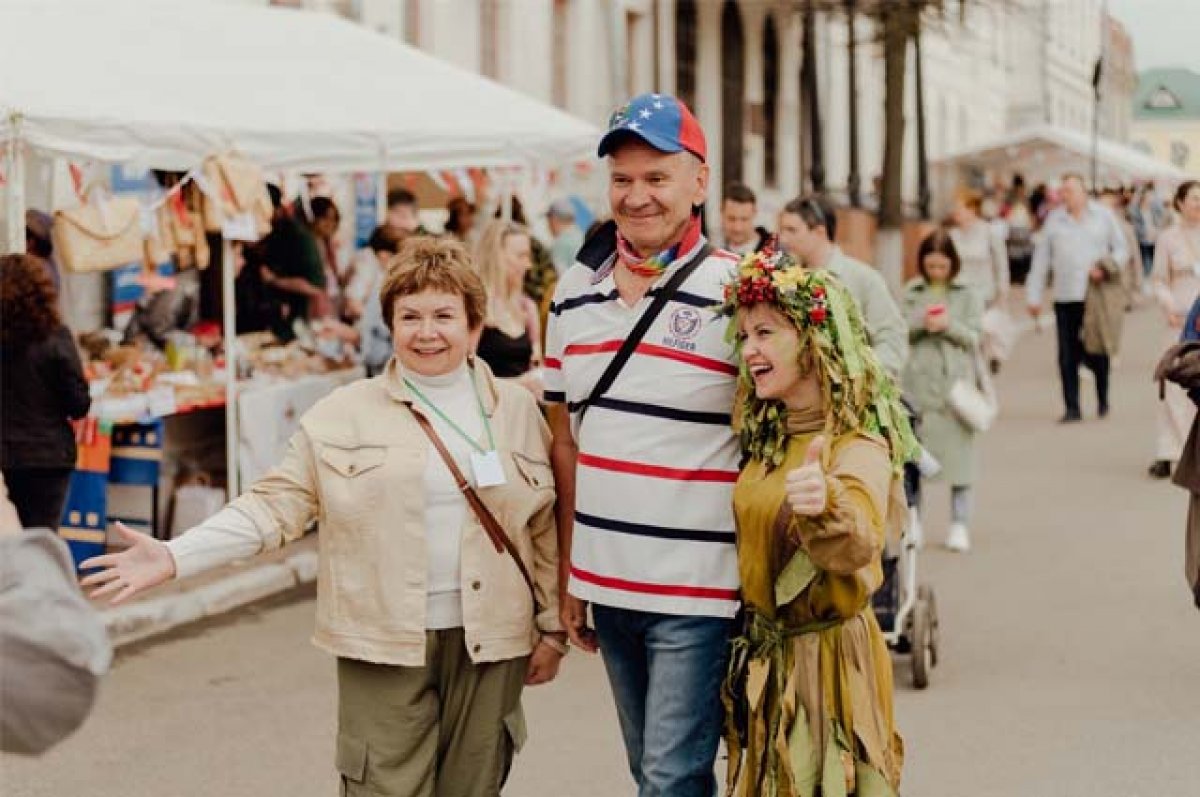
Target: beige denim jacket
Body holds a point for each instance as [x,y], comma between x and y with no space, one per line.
[357,466]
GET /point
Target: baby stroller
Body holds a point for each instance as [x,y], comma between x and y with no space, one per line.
[905,608]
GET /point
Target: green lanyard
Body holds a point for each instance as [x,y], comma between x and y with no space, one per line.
[452,424]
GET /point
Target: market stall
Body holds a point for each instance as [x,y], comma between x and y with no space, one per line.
[1042,154]
[167,84]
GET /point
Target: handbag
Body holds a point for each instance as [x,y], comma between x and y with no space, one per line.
[973,401]
[490,525]
[235,185]
[638,332]
[99,236]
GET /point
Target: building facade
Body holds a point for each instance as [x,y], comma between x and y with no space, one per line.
[1166,117]
[771,84]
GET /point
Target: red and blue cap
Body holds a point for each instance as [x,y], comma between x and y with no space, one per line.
[662,121]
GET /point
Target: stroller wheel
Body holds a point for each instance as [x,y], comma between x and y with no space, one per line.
[922,645]
[925,593]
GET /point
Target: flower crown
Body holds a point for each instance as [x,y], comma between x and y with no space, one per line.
[772,276]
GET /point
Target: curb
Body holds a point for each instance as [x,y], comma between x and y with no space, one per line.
[152,617]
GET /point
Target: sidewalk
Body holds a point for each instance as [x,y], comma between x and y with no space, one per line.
[179,603]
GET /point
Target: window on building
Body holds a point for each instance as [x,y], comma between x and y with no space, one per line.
[685,51]
[559,53]
[489,38]
[1163,99]
[770,108]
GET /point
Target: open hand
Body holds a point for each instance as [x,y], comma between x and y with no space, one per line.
[146,563]
[806,489]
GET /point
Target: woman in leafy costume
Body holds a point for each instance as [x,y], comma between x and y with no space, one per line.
[809,693]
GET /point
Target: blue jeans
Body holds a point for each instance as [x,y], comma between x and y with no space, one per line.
[666,673]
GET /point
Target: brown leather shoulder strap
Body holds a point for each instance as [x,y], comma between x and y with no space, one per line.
[490,525]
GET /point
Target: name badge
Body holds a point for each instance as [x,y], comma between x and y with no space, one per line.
[488,470]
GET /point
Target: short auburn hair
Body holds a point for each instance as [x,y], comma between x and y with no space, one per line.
[971,199]
[427,263]
[28,300]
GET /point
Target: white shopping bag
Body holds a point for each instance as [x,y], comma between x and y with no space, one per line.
[999,334]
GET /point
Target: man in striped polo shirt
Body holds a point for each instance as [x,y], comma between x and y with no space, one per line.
[645,476]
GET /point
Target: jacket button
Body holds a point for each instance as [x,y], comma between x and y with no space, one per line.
[475,585]
[477,648]
[350,469]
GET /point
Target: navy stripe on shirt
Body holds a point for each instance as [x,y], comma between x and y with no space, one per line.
[661,532]
[657,411]
[580,301]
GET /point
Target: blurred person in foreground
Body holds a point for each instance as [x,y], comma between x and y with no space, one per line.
[437,592]
[42,389]
[1075,241]
[53,645]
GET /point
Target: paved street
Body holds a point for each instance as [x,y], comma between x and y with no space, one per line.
[1070,661]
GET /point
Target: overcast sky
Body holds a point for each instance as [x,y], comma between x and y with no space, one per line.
[1165,32]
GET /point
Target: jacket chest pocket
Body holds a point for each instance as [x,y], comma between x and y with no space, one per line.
[534,472]
[351,479]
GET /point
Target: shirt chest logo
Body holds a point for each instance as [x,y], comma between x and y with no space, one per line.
[683,326]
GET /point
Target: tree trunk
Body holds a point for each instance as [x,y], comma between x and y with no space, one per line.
[896,21]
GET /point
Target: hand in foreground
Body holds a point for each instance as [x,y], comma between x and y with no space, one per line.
[806,489]
[144,564]
[543,665]
[574,619]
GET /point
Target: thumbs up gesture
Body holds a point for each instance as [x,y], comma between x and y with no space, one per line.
[805,486]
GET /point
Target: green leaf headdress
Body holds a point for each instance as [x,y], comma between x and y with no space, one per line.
[858,394]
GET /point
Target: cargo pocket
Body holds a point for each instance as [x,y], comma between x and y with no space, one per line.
[515,735]
[352,765]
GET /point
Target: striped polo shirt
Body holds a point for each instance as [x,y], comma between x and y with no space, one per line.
[654,526]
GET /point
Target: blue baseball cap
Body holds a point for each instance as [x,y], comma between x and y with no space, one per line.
[662,121]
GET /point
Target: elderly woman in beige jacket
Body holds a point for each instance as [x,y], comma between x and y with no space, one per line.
[434,625]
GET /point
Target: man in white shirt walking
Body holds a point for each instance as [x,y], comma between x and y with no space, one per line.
[1074,239]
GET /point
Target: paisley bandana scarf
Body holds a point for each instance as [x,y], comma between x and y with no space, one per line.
[655,265]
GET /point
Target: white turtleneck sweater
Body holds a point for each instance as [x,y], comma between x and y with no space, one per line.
[230,535]
[445,508]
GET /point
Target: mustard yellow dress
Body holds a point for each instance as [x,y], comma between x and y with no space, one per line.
[809,695]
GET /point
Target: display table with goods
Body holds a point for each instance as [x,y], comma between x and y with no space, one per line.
[151,453]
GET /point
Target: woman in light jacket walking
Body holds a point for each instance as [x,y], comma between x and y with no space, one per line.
[433,621]
[984,259]
[944,316]
[1176,282]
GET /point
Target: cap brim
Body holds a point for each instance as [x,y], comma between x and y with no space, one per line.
[613,138]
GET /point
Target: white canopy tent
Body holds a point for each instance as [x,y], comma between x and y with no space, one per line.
[165,83]
[1043,153]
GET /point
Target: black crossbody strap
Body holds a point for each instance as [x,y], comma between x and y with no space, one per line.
[638,332]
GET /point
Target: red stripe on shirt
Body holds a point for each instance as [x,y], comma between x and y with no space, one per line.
[657,471]
[650,350]
[553,363]
[625,585]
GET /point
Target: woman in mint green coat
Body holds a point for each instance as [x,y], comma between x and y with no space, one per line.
[944,323]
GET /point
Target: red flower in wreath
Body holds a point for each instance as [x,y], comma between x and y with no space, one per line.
[817,315]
